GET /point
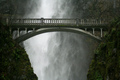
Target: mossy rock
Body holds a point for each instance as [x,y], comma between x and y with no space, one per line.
[14,61]
[106,62]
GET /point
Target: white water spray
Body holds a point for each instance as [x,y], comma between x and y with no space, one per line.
[57,56]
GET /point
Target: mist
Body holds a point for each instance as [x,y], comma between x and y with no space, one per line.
[58,55]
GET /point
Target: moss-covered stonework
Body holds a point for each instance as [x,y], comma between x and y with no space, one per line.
[14,62]
[106,62]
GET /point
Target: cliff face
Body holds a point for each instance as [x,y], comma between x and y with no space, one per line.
[106,62]
[14,62]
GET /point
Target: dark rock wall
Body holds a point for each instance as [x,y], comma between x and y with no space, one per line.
[106,62]
[14,62]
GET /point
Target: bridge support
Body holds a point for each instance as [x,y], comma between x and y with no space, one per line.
[25,30]
[93,31]
[18,33]
[33,29]
[85,29]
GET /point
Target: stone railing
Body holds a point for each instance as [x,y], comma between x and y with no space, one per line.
[52,22]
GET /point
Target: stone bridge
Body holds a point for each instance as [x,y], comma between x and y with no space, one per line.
[93,28]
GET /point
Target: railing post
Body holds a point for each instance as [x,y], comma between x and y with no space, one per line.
[100,21]
[55,22]
[42,21]
[93,31]
[76,22]
[25,30]
[18,33]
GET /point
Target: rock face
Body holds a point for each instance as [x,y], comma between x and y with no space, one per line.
[14,62]
[106,62]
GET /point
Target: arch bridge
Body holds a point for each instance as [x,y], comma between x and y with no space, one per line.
[93,28]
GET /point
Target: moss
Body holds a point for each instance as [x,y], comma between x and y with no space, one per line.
[106,62]
[14,62]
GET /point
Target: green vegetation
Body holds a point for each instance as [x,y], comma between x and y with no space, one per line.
[98,9]
[14,62]
[106,62]
[16,7]
[103,9]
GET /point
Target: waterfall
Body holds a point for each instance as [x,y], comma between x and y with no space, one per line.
[57,55]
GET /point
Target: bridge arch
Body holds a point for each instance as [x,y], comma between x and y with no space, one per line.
[44,30]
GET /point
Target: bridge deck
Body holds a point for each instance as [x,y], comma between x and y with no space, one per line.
[43,23]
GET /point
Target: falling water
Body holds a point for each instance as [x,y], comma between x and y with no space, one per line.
[58,55]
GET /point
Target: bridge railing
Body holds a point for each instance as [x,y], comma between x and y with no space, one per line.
[53,22]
